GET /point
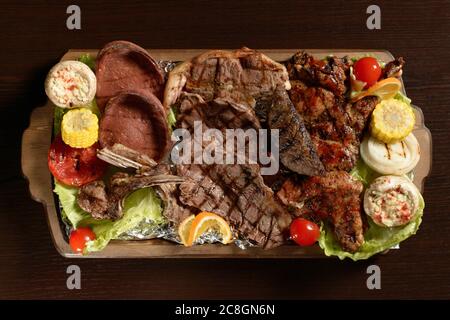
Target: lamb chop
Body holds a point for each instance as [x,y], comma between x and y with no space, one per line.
[334,198]
[106,202]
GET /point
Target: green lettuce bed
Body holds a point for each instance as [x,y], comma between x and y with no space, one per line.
[377,239]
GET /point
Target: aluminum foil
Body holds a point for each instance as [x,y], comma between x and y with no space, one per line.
[147,229]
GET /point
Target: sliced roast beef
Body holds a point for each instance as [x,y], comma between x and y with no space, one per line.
[137,121]
[121,66]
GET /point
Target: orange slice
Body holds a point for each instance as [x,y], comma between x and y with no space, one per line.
[184,229]
[385,89]
[205,221]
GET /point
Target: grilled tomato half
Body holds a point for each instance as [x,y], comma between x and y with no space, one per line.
[74,166]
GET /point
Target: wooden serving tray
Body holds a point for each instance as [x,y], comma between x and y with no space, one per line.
[36,142]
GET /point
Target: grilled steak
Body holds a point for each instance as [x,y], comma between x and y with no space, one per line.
[243,76]
[136,120]
[335,198]
[221,113]
[239,195]
[297,152]
[236,192]
[334,124]
[122,66]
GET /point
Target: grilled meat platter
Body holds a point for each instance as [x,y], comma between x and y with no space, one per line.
[235,148]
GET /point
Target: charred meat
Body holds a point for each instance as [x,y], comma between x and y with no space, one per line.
[239,195]
[236,192]
[394,68]
[330,74]
[297,152]
[105,201]
[334,198]
[243,76]
[334,124]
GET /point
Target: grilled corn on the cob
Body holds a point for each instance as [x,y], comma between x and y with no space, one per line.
[79,128]
[392,120]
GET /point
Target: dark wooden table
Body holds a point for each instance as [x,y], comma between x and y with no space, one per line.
[34,36]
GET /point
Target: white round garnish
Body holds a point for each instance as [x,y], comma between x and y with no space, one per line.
[391,158]
[70,84]
[391,201]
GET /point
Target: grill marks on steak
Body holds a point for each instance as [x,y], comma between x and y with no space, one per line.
[334,124]
[335,198]
[238,194]
[243,76]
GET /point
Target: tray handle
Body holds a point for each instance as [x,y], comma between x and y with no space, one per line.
[35,143]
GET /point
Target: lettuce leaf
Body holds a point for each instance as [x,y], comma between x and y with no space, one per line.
[140,206]
[71,212]
[59,113]
[363,173]
[376,239]
[87,60]
[57,118]
[171,118]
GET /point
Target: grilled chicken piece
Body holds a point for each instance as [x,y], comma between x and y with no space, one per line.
[334,198]
[394,68]
[335,126]
[330,74]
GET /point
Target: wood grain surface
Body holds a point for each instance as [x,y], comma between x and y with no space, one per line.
[34,37]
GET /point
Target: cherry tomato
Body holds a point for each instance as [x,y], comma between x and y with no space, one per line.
[79,237]
[304,232]
[73,166]
[367,70]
